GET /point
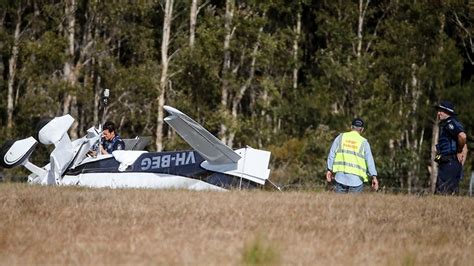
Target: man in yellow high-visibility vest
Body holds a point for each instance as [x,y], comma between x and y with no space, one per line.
[350,161]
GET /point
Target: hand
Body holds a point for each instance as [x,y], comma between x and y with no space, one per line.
[329,176]
[460,156]
[102,150]
[375,183]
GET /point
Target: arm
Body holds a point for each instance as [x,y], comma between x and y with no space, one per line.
[462,147]
[102,150]
[331,156]
[102,146]
[371,166]
[96,148]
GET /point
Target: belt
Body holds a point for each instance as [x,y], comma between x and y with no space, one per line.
[449,156]
[444,158]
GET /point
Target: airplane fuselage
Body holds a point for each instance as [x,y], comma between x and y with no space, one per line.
[178,169]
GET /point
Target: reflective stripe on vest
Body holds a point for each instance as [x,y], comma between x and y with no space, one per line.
[350,156]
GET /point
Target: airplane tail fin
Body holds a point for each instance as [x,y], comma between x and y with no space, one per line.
[65,153]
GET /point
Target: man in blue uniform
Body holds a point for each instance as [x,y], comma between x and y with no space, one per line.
[451,149]
[111,141]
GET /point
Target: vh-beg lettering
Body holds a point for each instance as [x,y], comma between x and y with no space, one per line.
[164,161]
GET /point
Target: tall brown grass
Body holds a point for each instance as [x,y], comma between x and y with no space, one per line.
[68,225]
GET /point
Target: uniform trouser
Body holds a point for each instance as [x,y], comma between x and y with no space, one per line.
[449,175]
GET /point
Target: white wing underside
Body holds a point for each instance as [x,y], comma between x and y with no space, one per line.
[210,147]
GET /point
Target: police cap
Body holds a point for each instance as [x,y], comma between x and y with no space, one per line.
[447,107]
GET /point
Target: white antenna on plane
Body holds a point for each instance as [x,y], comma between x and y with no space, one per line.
[105,102]
[106,96]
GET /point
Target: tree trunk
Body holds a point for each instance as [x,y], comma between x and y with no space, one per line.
[12,69]
[412,139]
[70,75]
[434,166]
[96,78]
[192,22]
[164,73]
[295,49]
[360,25]
[96,62]
[229,13]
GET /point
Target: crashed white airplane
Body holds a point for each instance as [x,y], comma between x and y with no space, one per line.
[210,166]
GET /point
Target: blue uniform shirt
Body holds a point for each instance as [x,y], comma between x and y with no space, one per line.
[350,179]
[448,136]
[115,144]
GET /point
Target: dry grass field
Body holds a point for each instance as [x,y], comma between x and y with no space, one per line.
[67,225]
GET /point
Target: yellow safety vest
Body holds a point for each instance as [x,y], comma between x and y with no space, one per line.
[350,156]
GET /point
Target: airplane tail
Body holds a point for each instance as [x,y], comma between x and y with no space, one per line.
[14,153]
[248,163]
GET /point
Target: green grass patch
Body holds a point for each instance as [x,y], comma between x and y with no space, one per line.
[260,252]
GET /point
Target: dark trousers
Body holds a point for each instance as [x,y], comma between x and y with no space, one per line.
[449,175]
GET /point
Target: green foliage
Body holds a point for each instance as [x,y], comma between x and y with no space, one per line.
[300,161]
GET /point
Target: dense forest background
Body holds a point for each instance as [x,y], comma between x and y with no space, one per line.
[281,75]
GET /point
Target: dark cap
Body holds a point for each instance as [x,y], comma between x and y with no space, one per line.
[357,122]
[446,106]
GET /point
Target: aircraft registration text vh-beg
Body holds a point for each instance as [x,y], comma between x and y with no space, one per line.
[167,160]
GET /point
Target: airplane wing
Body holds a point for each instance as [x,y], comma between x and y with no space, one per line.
[208,146]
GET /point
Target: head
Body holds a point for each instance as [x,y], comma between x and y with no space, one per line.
[109,130]
[445,109]
[358,125]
